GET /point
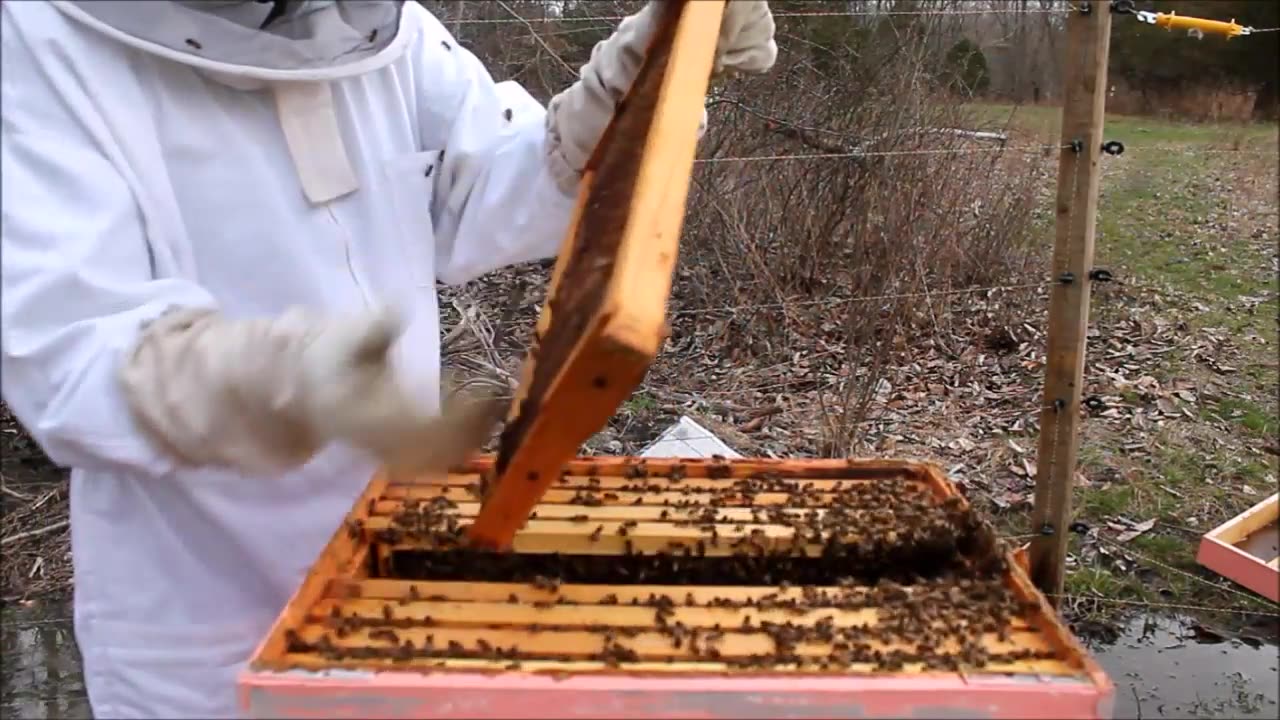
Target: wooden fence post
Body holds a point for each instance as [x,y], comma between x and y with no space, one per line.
[1083,109]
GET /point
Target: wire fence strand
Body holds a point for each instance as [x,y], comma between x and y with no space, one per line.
[1183,573]
[1065,10]
[1168,606]
[860,299]
[784,15]
[878,153]
[854,154]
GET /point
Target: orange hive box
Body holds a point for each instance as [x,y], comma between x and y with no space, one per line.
[675,588]
[616,587]
[1246,548]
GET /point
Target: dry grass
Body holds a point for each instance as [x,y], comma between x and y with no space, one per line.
[1219,102]
[34,499]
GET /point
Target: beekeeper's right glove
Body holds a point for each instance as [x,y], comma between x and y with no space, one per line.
[264,395]
[578,115]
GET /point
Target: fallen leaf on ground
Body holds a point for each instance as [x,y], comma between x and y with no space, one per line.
[1137,530]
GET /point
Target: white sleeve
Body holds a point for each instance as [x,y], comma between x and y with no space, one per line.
[496,202]
[77,282]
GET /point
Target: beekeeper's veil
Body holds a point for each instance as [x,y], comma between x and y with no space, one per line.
[293,47]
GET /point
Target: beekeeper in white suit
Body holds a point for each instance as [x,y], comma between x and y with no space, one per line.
[223,223]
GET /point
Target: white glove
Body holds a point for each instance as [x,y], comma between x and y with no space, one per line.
[746,42]
[261,396]
[351,394]
[578,116]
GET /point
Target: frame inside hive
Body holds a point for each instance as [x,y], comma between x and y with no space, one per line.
[605,316]
[735,567]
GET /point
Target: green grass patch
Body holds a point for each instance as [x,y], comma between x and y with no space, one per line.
[1095,582]
[1248,414]
[1105,502]
[1192,225]
[1154,220]
[1174,221]
[1046,120]
[640,403]
[1175,550]
[1206,490]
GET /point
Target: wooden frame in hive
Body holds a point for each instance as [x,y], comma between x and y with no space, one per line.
[605,317]
[925,613]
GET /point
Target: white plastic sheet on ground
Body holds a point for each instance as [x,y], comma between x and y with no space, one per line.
[688,439]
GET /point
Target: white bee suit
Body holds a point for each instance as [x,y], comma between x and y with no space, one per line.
[220,252]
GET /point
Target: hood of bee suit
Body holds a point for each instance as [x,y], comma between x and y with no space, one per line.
[294,49]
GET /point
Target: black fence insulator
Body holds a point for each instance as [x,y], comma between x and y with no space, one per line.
[1122,7]
[1067,278]
[1113,147]
[1095,403]
[1101,275]
[1078,528]
[1077,146]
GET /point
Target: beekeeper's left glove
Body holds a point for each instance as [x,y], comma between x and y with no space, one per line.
[578,116]
[263,395]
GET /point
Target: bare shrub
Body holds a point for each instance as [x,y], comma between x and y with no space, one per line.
[860,250]
[837,267]
[1185,100]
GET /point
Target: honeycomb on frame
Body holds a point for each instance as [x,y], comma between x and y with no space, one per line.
[605,314]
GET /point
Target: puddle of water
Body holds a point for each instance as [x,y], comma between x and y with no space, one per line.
[41,678]
[1161,671]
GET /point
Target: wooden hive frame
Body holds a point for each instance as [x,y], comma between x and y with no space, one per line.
[605,315]
[1244,549]
[397,607]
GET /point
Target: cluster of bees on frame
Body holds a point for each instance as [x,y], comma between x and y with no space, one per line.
[940,624]
[869,526]
[929,569]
